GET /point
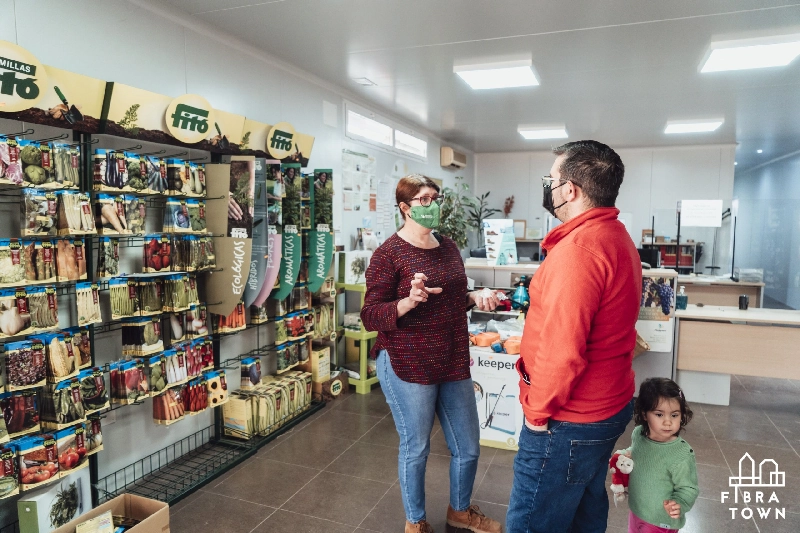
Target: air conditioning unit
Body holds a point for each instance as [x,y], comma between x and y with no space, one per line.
[452,159]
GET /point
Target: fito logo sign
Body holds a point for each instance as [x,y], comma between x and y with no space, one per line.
[748,481]
[23,80]
[189,118]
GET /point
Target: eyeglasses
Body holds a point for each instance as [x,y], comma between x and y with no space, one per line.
[548,180]
[426,200]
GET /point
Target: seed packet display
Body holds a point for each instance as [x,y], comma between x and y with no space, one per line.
[295,325]
[208,353]
[157,253]
[87,297]
[129,384]
[135,213]
[40,261]
[15,317]
[110,171]
[150,296]
[37,164]
[157,373]
[251,373]
[93,389]
[9,477]
[207,253]
[13,270]
[283,356]
[124,302]
[194,357]
[281,332]
[168,407]
[94,435]
[25,368]
[197,215]
[62,405]
[71,259]
[20,412]
[37,459]
[195,396]
[185,253]
[108,257]
[175,327]
[236,321]
[42,306]
[75,213]
[216,387]
[60,357]
[141,336]
[155,169]
[39,210]
[111,218]
[72,450]
[180,292]
[137,181]
[176,175]
[10,163]
[66,163]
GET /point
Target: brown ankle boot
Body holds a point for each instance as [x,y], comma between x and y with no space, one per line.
[419,527]
[473,520]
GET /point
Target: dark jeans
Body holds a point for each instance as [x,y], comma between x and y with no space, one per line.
[560,474]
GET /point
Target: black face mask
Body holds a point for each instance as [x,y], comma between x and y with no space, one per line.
[547,200]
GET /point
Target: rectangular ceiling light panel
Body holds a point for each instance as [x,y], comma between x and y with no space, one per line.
[367,128]
[409,143]
[693,126]
[745,54]
[532,133]
[500,75]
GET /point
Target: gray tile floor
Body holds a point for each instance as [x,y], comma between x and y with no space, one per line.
[338,471]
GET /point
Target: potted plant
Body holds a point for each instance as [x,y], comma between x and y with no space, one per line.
[479,211]
[453,218]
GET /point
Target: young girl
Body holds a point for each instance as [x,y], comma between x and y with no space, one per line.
[663,484]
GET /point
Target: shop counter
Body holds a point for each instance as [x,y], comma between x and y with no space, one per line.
[722,292]
[715,342]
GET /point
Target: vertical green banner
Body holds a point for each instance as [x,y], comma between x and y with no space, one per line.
[290,262]
[320,238]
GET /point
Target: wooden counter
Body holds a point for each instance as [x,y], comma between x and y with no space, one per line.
[723,292]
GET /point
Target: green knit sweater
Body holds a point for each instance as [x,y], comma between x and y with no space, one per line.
[661,471]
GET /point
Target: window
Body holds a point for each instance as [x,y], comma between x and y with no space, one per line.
[409,143]
[366,128]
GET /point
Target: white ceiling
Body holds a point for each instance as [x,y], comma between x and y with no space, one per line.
[612,70]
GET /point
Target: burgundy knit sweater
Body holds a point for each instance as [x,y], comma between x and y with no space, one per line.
[429,344]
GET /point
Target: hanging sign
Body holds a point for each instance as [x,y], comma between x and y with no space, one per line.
[320,237]
[189,117]
[274,191]
[701,213]
[290,262]
[280,142]
[23,80]
[258,259]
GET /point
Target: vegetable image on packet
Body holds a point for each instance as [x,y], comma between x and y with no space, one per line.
[37,164]
[20,412]
[110,171]
[37,458]
[135,214]
[176,216]
[93,389]
[15,317]
[62,405]
[66,161]
[39,209]
[111,215]
[10,163]
[74,214]
[61,359]
[137,181]
[155,169]
[108,263]
[87,296]
[40,261]
[43,307]
[13,269]
[25,368]
[71,259]
[9,477]
[157,253]
[80,339]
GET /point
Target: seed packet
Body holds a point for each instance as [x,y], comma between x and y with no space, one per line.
[81,344]
[12,263]
[156,171]
[176,176]
[88,303]
[37,164]
[135,213]
[110,171]
[137,180]
[71,259]
[9,476]
[111,215]
[66,163]
[74,214]
[15,318]
[40,261]
[168,407]
[20,412]
[158,251]
[60,357]
[108,252]
[176,216]
[124,302]
[39,212]
[93,389]
[150,294]
[94,435]
[251,373]
[62,405]
[10,163]
[175,327]
[196,210]
[157,373]
[141,336]
[37,458]
[72,450]
[25,368]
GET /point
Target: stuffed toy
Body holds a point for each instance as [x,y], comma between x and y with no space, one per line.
[621,467]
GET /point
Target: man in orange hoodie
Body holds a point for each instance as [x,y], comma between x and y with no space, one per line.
[576,381]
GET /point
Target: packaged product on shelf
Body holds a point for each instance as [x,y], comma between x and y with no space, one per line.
[10,163]
[283,355]
[294,352]
[323,321]
[295,325]
[124,302]
[110,170]
[299,298]
[141,336]
[137,181]
[302,277]
[37,458]
[251,372]
[108,257]
[195,396]
[196,210]
[93,389]
[194,259]
[129,382]
[72,450]
[60,357]
[216,387]
[258,314]
[194,357]
[158,250]
[196,321]
[66,162]
[177,372]
[178,292]
[236,321]
[168,407]
[81,345]
[12,262]
[240,415]
[74,214]
[93,434]
[25,366]
[71,259]
[208,353]
[196,182]
[193,296]
[40,261]
[37,164]
[303,351]
[176,175]
[150,295]
[278,307]
[175,327]
[111,217]
[281,333]
[180,253]
[155,170]
[20,412]
[15,318]
[9,477]
[135,213]
[176,216]
[62,404]
[87,297]
[157,372]
[310,317]
[207,253]
[39,212]
[42,306]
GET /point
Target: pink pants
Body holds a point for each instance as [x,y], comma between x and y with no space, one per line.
[637,525]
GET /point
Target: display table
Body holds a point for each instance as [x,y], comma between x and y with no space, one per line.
[500,276]
[725,292]
[715,342]
[496,384]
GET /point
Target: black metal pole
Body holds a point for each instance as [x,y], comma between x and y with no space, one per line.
[678,244]
[733,252]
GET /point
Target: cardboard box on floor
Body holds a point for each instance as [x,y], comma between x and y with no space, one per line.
[153,514]
[319,365]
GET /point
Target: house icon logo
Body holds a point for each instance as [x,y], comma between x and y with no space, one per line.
[749,478]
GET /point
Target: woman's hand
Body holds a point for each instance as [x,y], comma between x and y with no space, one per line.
[484,300]
[417,295]
[234,211]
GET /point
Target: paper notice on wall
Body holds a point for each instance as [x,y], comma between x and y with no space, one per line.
[657,333]
[358,176]
[384,206]
[701,213]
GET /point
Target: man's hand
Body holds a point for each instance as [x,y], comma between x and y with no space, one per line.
[535,428]
[673,509]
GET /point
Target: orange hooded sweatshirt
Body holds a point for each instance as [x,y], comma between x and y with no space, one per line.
[577,345]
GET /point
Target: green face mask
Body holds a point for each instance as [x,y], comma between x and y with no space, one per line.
[427,217]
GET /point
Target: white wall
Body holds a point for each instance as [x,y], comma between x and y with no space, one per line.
[121,41]
[768,226]
[655,179]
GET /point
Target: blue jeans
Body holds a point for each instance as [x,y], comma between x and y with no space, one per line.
[413,407]
[560,474]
